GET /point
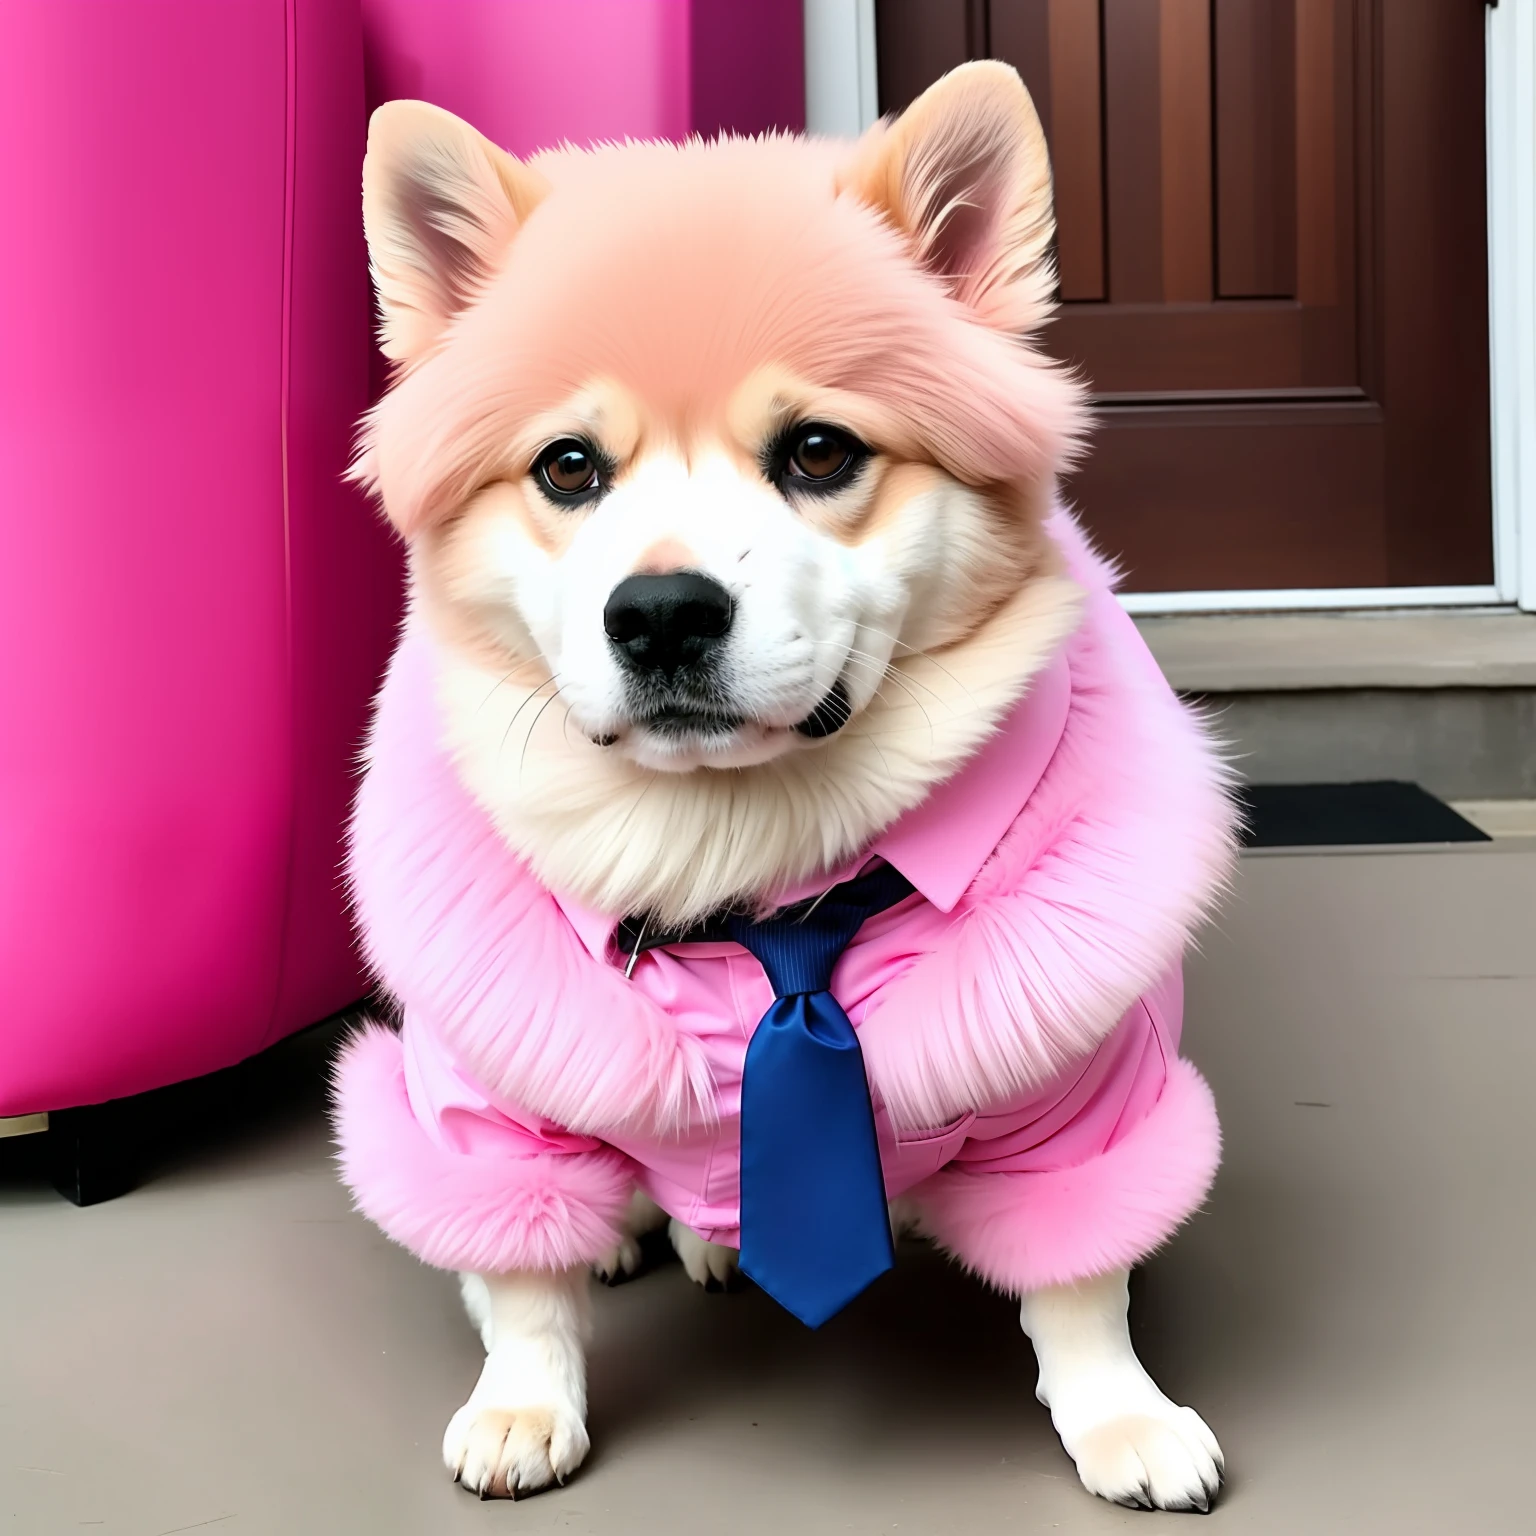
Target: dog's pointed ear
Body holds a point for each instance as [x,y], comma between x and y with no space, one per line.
[440,207]
[965,174]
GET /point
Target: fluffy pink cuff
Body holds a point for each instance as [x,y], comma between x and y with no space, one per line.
[549,1211]
[1022,1231]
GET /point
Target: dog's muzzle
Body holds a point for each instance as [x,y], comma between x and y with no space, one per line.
[666,631]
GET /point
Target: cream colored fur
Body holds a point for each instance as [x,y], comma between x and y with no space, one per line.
[1132,1444]
[626,839]
[524,1425]
[703,1261]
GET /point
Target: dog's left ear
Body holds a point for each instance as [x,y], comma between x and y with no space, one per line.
[965,174]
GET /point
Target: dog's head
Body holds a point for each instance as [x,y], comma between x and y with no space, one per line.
[707,434]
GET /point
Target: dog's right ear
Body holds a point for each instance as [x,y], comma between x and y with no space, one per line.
[441,204]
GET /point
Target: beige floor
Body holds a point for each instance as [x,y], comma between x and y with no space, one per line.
[230,1350]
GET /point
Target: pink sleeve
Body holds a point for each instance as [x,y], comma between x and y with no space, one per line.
[460,1180]
[461,1116]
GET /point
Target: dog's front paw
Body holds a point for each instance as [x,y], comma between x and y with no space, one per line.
[507,1453]
[1164,1459]
[711,1265]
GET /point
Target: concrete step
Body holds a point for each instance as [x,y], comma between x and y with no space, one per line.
[1459,743]
[1445,698]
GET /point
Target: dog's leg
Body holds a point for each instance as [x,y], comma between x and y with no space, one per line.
[1130,1442]
[477,1302]
[524,1425]
[711,1265]
[643,1216]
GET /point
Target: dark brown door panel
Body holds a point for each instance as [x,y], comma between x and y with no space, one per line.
[1270,345]
[1224,497]
[1260,201]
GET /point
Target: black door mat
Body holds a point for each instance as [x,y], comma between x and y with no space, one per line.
[1331,815]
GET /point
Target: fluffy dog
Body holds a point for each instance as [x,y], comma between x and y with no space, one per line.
[727,472]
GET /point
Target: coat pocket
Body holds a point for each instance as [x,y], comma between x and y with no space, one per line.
[920,1153]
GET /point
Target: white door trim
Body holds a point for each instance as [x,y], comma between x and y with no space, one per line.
[841,98]
[1512,293]
[842,94]
[1313,599]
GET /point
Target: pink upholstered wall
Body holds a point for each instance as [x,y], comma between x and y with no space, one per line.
[194,608]
[529,73]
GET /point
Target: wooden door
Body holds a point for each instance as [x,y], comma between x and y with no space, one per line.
[1273,266]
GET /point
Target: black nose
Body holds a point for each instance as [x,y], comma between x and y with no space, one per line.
[664,623]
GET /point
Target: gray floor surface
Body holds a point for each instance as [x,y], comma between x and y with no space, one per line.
[230,1350]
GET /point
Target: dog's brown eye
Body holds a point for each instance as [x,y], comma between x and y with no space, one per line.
[567,468]
[821,453]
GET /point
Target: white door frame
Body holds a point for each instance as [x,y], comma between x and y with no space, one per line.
[842,95]
[1512,294]
[841,99]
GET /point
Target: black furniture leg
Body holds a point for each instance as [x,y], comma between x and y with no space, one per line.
[92,1153]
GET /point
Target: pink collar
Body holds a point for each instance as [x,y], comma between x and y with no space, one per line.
[941,844]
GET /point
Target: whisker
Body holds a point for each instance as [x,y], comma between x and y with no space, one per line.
[533,693]
[888,670]
[501,683]
[654,775]
[889,666]
[871,738]
[927,656]
[880,753]
[523,756]
[896,678]
[889,673]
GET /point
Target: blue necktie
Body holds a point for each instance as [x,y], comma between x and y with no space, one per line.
[814,1227]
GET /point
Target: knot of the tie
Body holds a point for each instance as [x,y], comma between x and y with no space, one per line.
[799,947]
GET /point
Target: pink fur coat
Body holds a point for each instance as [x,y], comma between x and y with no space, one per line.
[1019,1015]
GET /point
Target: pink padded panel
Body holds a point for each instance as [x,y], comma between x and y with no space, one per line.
[192,609]
[529,73]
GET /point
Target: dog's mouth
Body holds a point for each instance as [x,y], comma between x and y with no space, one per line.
[830,716]
[680,724]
